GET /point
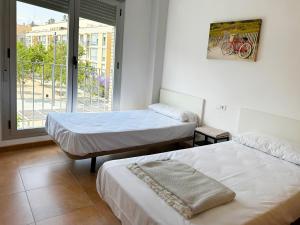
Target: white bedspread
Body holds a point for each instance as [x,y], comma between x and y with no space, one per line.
[267,189]
[84,133]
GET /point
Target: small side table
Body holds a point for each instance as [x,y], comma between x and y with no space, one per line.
[210,133]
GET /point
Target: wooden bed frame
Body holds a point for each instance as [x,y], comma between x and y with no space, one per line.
[172,98]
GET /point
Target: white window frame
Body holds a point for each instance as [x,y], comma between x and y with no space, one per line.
[93,35]
[93,57]
[8,65]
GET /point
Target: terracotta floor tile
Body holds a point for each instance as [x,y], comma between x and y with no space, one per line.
[87,180]
[15,210]
[82,167]
[9,161]
[10,182]
[41,156]
[60,190]
[43,176]
[93,194]
[84,216]
[33,157]
[57,200]
[81,172]
[108,218]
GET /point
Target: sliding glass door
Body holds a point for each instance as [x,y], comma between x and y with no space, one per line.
[64,56]
[96,53]
[41,49]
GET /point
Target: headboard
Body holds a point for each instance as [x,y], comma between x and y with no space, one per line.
[283,127]
[183,101]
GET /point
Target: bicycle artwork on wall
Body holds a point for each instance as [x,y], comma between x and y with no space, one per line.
[234,40]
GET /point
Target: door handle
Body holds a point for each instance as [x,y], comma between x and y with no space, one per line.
[75,62]
[5,76]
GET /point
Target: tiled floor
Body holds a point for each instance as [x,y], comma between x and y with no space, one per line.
[42,186]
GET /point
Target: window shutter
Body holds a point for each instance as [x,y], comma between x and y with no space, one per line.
[96,10]
[99,11]
[57,5]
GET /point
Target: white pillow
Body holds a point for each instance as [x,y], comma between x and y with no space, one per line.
[174,113]
[271,145]
[192,117]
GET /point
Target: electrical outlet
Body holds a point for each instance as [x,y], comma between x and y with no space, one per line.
[222,107]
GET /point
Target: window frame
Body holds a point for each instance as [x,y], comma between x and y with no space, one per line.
[93,54]
[8,40]
[94,43]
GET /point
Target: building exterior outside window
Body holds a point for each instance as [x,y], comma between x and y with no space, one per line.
[81,39]
[64,38]
[43,40]
[28,41]
[94,39]
[43,69]
[104,40]
[94,54]
[89,38]
[94,65]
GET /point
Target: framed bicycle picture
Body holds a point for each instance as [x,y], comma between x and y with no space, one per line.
[234,40]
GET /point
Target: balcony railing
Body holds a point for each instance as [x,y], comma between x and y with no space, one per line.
[42,88]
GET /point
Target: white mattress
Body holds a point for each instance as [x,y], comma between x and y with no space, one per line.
[83,133]
[267,188]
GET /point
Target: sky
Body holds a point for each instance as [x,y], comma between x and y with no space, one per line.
[27,13]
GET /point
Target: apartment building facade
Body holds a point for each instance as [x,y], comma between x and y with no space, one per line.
[95,38]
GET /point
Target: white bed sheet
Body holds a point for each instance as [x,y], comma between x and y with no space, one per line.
[267,188]
[83,133]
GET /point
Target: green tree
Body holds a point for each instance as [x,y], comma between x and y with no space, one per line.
[29,59]
[22,59]
[40,60]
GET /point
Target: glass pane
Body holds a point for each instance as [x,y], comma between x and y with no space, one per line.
[41,64]
[96,64]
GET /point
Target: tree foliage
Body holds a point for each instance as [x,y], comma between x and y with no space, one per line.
[42,61]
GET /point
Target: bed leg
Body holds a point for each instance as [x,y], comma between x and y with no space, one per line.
[93,165]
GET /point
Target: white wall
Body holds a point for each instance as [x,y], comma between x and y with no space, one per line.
[143,52]
[136,46]
[272,84]
[157,46]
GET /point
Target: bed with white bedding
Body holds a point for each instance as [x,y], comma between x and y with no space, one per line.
[263,172]
[81,134]
[267,188]
[88,135]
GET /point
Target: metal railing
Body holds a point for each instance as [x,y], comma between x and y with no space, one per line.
[42,88]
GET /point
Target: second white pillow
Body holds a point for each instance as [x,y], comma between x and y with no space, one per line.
[174,113]
[271,145]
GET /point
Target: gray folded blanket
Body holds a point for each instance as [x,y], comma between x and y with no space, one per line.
[187,190]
